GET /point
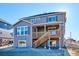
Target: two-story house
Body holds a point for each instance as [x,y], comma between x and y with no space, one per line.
[42,30]
[5,32]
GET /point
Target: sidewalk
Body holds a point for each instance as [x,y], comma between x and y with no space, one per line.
[7,46]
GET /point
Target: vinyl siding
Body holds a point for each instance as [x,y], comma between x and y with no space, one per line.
[28,37]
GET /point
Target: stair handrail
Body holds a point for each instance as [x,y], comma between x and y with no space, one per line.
[38,42]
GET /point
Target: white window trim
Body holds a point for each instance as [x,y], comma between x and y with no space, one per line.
[20,31]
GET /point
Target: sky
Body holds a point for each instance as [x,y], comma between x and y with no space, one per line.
[13,12]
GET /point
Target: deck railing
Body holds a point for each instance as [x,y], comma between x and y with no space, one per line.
[37,34]
[51,33]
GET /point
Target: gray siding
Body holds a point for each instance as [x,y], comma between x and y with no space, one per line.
[28,37]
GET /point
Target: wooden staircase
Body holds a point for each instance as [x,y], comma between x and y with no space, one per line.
[41,40]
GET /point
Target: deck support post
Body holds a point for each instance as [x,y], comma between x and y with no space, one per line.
[45,32]
[44,28]
[36,32]
[49,43]
[60,44]
[60,37]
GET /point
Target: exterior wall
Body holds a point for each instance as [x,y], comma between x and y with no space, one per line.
[27,38]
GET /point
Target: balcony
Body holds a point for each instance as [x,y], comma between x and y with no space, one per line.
[45,20]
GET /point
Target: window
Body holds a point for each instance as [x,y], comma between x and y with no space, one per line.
[33,20]
[22,30]
[36,20]
[53,33]
[52,19]
[22,43]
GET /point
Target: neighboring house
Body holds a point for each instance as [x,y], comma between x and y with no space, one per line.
[6,33]
[5,25]
[70,42]
[48,30]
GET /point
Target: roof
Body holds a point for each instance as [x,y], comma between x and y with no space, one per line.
[43,14]
[49,13]
[71,39]
[1,20]
[22,19]
[28,18]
